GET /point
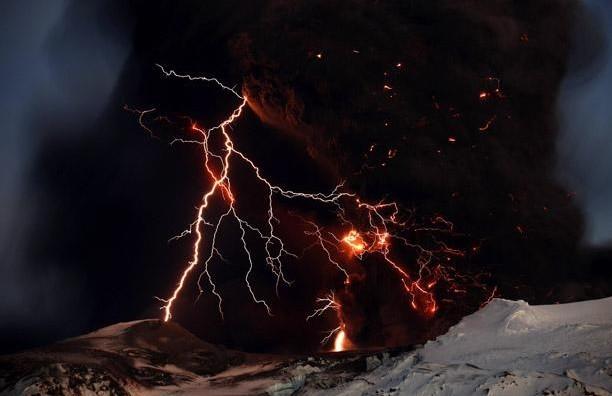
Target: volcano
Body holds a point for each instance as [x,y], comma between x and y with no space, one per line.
[283,179]
[507,347]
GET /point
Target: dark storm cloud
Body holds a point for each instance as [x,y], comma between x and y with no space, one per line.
[59,65]
[585,146]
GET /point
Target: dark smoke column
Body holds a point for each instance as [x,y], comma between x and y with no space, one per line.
[446,107]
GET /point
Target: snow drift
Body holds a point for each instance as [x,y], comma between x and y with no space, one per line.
[508,348]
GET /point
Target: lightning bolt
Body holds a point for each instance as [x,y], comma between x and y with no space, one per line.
[382,224]
[221,184]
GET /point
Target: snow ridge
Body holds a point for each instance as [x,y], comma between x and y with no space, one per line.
[507,348]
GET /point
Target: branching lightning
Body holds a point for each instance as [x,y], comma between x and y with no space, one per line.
[364,228]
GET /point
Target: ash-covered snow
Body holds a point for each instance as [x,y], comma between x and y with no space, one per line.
[506,348]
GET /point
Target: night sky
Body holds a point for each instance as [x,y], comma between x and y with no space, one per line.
[89,200]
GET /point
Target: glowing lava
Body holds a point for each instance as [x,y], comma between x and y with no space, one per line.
[354,241]
[339,341]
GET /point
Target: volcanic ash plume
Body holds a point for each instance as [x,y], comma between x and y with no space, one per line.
[447,108]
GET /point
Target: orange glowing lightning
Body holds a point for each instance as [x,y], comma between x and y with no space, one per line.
[382,223]
[221,183]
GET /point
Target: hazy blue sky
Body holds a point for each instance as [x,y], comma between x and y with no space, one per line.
[60,65]
[585,114]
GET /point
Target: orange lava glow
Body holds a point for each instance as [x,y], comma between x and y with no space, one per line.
[339,341]
[354,241]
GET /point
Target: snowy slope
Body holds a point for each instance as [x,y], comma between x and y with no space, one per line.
[506,348]
[122,359]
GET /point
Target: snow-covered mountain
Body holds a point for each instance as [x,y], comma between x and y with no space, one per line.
[506,348]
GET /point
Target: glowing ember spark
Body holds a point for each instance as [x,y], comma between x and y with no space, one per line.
[497,91]
[487,125]
[354,241]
